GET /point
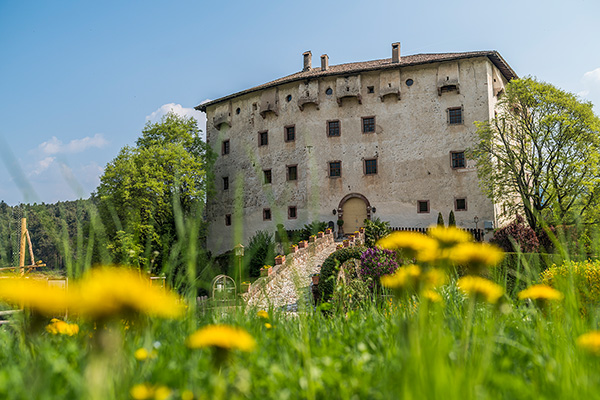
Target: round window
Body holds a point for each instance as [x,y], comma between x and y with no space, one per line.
[329,91]
[409,82]
[238,110]
[289,98]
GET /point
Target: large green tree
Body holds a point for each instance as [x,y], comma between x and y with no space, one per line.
[148,191]
[540,154]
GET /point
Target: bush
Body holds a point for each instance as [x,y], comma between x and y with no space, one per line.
[516,236]
[312,229]
[375,230]
[451,219]
[440,220]
[331,267]
[261,251]
[583,276]
[375,263]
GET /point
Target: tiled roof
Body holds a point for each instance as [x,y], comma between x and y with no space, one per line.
[357,67]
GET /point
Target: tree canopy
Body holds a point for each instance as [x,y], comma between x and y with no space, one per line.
[146,188]
[540,154]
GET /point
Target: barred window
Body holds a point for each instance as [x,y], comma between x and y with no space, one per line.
[460,204]
[368,124]
[371,166]
[422,206]
[333,128]
[263,138]
[290,133]
[225,147]
[292,172]
[267,176]
[458,159]
[455,116]
[335,169]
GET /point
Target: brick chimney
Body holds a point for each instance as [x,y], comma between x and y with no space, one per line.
[324,62]
[396,52]
[307,60]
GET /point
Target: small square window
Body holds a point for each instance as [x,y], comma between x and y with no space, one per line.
[263,138]
[333,128]
[290,133]
[227,219]
[455,116]
[292,172]
[267,176]
[292,212]
[460,204]
[225,183]
[371,166]
[335,169]
[423,206]
[458,159]
[266,214]
[371,89]
[225,147]
[448,88]
[368,124]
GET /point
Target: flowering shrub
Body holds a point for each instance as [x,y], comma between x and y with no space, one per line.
[585,277]
[375,263]
[518,232]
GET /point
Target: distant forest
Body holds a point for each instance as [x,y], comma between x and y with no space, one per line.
[59,232]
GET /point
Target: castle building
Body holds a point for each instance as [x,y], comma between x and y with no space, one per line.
[383,138]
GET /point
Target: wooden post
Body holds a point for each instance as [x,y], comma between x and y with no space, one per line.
[23,243]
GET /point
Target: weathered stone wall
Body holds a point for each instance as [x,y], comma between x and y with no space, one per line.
[412,144]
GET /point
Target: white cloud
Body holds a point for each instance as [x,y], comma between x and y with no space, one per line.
[42,165]
[56,146]
[181,111]
[592,77]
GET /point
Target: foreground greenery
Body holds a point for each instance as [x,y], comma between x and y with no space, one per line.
[456,349]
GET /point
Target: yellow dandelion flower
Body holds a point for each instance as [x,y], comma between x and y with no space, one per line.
[107,292]
[162,393]
[141,354]
[142,391]
[268,325]
[187,395]
[476,256]
[480,289]
[540,292]
[221,336]
[590,342]
[412,244]
[432,296]
[450,236]
[262,314]
[35,295]
[405,278]
[58,327]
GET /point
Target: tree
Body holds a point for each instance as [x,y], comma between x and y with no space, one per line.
[451,219]
[147,191]
[440,220]
[540,155]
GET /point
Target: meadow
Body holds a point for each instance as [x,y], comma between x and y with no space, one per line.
[412,339]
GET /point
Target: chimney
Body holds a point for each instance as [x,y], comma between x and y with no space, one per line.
[396,52]
[324,62]
[307,60]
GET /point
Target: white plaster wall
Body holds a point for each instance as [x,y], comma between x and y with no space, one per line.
[412,143]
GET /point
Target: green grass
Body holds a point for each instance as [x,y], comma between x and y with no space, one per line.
[459,350]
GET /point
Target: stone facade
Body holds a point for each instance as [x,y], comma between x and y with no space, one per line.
[382,138]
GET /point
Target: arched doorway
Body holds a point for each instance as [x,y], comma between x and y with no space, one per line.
[354,208]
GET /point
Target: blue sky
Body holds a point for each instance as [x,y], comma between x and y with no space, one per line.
[79,79]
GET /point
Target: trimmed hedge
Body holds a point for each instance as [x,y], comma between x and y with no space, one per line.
[331,267]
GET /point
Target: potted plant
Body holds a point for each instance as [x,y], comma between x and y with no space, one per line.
[320,234]
[346,243]
[312,238]
[266,269]
[351,238]
[245,287]
[339,246]
[279,260]
[361,230]
[315,279]
[302,244]
[328,231]
[293,248]
[340,222]
[356,233]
